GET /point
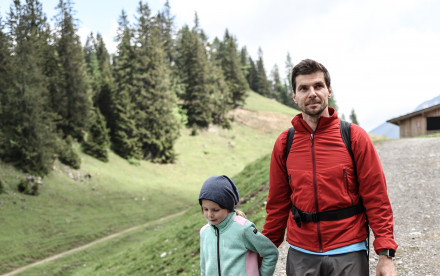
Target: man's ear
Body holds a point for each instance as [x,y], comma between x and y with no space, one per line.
[294,96]
[329,93]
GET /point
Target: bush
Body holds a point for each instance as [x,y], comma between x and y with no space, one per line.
[29,186]
[67,155]
[2,187]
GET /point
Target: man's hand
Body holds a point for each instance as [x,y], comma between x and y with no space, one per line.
[385,266]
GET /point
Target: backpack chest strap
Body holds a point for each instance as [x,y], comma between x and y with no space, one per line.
[331,215]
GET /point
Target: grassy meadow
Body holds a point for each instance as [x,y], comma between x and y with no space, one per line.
[76,207]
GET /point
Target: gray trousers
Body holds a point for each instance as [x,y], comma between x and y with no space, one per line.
[349,264]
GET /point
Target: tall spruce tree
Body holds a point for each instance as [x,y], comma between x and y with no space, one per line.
[124,135]
[244,61]
[6,82]
[288,67]
[278,88]
[166,24]
[221,96]
[262,83]
[97,141]
[252,76]
[353,117]
[72,101]
[24,118]
[193,65]
[230,62]
[104,98]
[155,98]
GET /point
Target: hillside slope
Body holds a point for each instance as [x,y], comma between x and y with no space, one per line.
[78,206]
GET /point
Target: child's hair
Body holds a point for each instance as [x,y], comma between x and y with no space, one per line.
[221,190]
[240,213]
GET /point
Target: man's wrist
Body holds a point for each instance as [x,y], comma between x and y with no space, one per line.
[387,252]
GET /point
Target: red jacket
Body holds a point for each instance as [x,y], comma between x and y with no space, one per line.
[322,178]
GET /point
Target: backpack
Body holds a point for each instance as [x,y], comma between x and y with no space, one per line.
[299,215]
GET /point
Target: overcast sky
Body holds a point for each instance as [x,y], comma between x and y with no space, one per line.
[383,55]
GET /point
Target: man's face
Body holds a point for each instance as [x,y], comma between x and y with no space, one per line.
[312,94]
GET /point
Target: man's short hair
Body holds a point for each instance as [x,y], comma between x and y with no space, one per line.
[306,67]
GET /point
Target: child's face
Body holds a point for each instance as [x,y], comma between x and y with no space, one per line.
[213,212]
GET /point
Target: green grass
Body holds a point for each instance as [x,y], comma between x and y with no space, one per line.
[69,213]
[260,103]
[167,248]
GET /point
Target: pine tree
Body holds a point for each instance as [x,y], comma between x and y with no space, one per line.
[230,62]
[25,119]
[124,135]
[72,101]
[6,82]
[353,117]
[104,98]
[244,61]
[221,96]
[155,98]
[193,65]
[278,88]
[97,141]
[93,70]
[289,100]
[252,76]
[166,24]
[262,83]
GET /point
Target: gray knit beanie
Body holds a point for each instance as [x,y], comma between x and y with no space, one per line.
[221,190]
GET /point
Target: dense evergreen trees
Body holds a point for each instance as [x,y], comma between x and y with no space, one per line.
[27,124]
[54,92]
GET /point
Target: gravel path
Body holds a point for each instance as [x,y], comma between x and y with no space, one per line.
[412,170]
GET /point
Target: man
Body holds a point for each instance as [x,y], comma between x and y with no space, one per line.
[319,176]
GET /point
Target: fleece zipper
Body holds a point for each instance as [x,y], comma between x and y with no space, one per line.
[315,186]
[217,232]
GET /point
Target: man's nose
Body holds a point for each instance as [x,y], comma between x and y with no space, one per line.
[312,92]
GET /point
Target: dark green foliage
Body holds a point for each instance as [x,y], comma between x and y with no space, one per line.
[103,98]
[252,75]
[221,96]
[124,135]
[193,66]
[26,124]
[154,98]
[287,99]
[2,187]
[72,101]
[261,83]
[279,90]
[97,141]
[230,62]
[66,154]
[353,117]
[28,186]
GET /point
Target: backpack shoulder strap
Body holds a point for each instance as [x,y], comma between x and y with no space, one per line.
[346,137]
[289,141]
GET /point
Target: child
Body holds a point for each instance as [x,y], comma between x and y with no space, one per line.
[229,243]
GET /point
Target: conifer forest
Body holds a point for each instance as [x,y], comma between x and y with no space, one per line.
[56,93]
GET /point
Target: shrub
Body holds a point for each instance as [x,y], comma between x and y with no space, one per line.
[2,187]
[29,186]
[66,154]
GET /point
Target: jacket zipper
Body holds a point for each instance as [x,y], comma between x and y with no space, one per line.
[346,183]
[315,185]
[217,232]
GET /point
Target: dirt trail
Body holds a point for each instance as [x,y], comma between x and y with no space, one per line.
[21,269]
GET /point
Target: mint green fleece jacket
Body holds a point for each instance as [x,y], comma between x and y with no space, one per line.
[232,246]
